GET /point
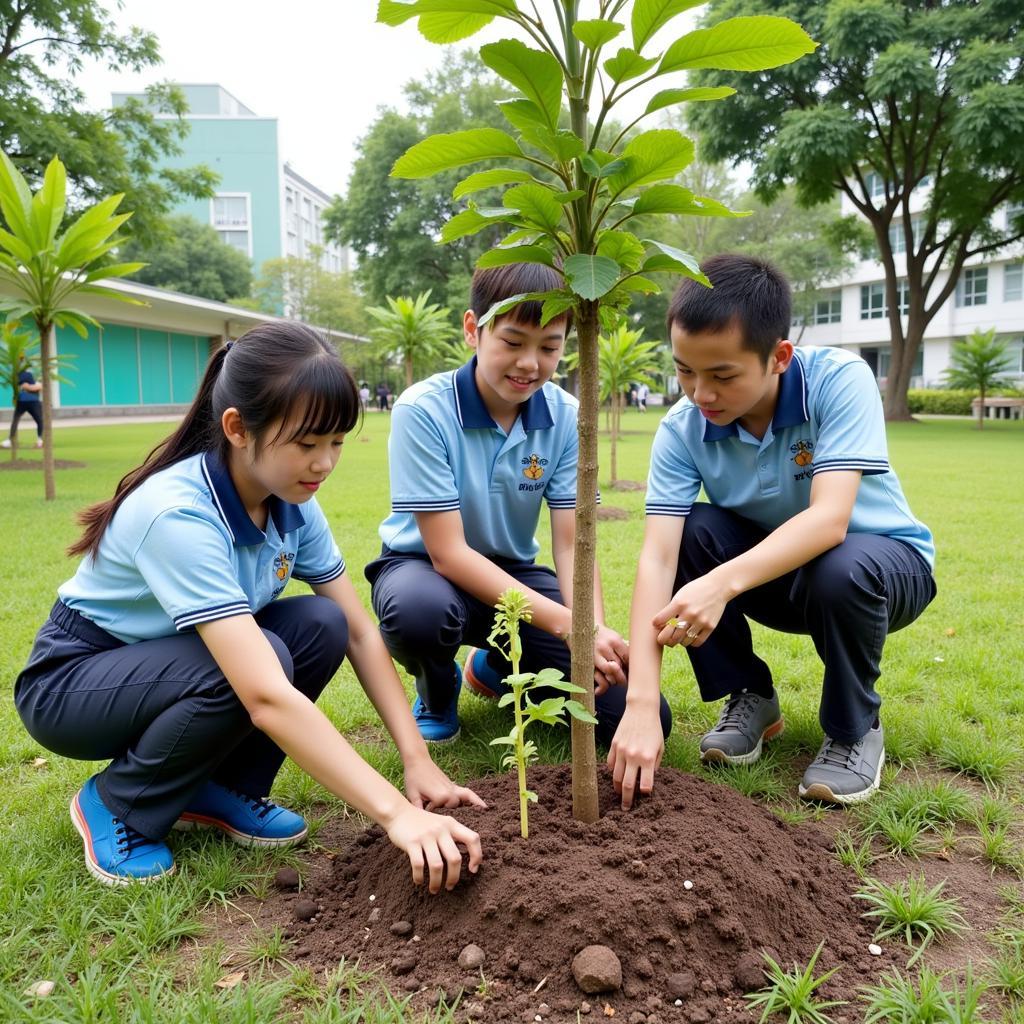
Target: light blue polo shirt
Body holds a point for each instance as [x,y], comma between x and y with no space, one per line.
[182,550]
[828,417]
[446,454]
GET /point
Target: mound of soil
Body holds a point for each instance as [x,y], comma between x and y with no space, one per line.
[688,952]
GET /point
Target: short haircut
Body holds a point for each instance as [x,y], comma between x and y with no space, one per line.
[748,291]
[495,284]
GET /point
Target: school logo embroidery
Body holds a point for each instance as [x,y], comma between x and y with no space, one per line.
[803,456]
[283,564]
[534,464]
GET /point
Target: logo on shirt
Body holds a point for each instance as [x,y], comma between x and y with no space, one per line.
[803,457]
[534,464]
[283,564]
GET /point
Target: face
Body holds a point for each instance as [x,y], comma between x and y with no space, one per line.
[514,360]
[726,381]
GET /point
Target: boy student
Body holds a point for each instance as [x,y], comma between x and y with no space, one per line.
[805,530]
[472,453]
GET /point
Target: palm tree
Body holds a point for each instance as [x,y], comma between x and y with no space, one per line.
[47,272]
[978,361]
[409,329]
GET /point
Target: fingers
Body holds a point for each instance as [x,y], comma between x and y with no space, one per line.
[680,633]
[467,796]
[471,841]
[453,861]
[646,779]
[416,860]
[435,864]
[629,785]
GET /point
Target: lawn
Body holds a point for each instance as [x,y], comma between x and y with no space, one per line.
[953,688]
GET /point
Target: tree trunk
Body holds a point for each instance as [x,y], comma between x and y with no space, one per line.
[981,411]
[46,346]
[584,750]
[901,366]
[408,370]
[616,413]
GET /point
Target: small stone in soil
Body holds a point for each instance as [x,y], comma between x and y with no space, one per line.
[680,985]
[874,949]
[543,1009]
[304,909]
[374,915]
[403,964]
[286,878]
[472,957]
[749,972]
[584,1007]
[687,884]
[597,969]
[401,928]
[411,984]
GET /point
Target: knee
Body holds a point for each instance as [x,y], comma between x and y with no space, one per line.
[327,624]
[409,621]
[835,578]
[284,656]
[702,534]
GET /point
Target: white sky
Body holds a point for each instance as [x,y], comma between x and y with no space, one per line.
[322,67]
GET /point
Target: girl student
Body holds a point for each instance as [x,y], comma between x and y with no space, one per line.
[168,653]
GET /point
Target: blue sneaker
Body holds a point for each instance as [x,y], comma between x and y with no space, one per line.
[443,726]
[248,820]
[114,852]
[481,678]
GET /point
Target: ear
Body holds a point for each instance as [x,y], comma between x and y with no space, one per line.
[234,429]
[470,331]
[782,356]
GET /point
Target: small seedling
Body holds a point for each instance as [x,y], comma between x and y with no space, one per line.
[853,856]
[513,608]
[793,991]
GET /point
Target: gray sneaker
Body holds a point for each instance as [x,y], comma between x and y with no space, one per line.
[745,722]
[845,773]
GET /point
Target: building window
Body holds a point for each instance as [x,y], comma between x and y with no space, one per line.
[1013,282]
[1015,356]
[829,308]
[903,296]
[231,218]
[972,288]
[874,183]
[885,361]
[898,237]
[872,302]
[1013,212]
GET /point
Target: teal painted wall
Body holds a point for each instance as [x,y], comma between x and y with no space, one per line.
[83,373]
[187,362]
[155,367]
[120,365]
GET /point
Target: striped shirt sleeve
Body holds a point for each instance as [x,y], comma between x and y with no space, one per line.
[422,479]
[851,424]
[673,481]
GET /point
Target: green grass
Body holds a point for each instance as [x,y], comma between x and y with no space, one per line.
[793,993]
[115,956]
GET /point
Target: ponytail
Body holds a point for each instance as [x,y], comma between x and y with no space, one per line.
[266,375]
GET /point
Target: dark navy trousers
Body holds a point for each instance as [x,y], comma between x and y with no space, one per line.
[162,709]
[425,619]
[848,599]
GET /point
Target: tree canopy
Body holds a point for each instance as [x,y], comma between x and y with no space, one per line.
[902,96]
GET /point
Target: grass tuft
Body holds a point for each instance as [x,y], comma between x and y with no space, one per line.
[794,992]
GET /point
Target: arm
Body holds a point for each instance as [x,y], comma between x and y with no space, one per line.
[304,733]
[424,781]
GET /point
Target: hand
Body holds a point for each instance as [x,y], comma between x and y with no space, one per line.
[427,786]
[692,614]
[611,656]
[635,753]
[433,840]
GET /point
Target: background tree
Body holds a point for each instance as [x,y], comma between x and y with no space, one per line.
[410,330]
[43,46]
[902,95]
[573,190]
[48,272]
[978,361]
[191,258]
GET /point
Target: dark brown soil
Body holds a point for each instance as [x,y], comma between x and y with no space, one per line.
[15,465]
[758,884]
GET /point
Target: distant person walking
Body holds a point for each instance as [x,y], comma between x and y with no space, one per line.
[364,395]
[382,397]
[28,401]
[641,397]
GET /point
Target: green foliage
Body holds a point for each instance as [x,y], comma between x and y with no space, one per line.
[793,993]
[926,1000]
[939,402]
[410,330]
[190,257]
[978,362]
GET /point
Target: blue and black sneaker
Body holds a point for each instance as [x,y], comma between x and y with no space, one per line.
[483,680]
[439,726]
[114,852]
[248,820]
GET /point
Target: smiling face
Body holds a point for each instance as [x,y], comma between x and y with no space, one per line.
[514,360]
[726,381]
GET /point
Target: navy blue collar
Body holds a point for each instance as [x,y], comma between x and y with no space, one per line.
[244,532]
[790,404]
[472,412]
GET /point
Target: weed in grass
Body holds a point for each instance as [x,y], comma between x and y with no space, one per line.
[1006,972]
[998,847]
[793,992]
[799,815]
[994,809]
[924,1001]
[910,909]
[268,948]
[758,780]
[853,856]
[969,752]
[902,834]
[1013,898]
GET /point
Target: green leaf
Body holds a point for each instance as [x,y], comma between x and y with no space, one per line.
[451,27]
[391,12]
[553,307]
[565,686]
[590,276]
[739,44]
[652,156]
[469,222]
[522,115]
[669,258]
[578,711]
[113,270]
[705,206]
[515,254]
[496,310]
[534,73]
[593,34]
[15,199]
[90,229]
[524,236]
[549,676]
[651,15]
[599,164]
[663,199]
[623,247]
[48,204]
[442,152]
[506,699]
[530,795]
[569,197]
[536,204]
[18,248]
[504,741]
[489,179]
[636,283]
[627,64]
[670,97]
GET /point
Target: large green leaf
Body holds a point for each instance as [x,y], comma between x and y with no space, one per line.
[469,222]
[451,27]
[739,44]
[590,277]
[391,12]
[113,270]
[514,300]
[536,204]
[48,204]
[595,33]
[534,73]
[489,179]
[556,304]
[599,164]
[652,156]
[15,200]
[669,258]
[516,254]
[627,64]
[442,152]
[17,247]
[651,15]
[623,247]
[77,248]
[705,206]
[670,97]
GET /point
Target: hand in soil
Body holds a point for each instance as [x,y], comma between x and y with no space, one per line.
[427,786]
[433,841]
[635,753]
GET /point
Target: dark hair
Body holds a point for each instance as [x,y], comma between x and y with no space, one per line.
[495,284]
[270,373]
[749,291]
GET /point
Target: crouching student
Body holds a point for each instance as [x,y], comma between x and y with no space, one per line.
[168,653]
[805,530]
[472,454]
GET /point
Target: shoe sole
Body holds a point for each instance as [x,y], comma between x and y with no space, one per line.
[443,742]
[78,820]
[822,793]
[475,685]
[188,822]
[717,756]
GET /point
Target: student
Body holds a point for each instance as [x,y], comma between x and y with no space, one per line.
[364,396]
[29,401]
[167,653]
[472,454]
[641,397]
[805,530]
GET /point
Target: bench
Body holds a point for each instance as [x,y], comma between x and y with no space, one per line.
[1000,408]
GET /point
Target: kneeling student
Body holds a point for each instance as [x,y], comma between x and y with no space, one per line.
[805,530]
